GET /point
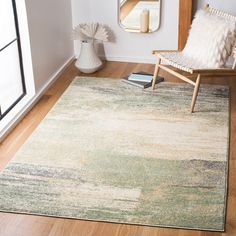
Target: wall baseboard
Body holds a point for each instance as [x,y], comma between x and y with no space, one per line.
[12,124]
[130,59]
[54,77]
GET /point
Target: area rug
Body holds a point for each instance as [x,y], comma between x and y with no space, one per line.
[132,20]
[111,152]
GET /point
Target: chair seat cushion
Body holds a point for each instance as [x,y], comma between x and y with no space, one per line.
[210,42]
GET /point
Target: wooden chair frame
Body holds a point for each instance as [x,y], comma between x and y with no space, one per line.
[198,73]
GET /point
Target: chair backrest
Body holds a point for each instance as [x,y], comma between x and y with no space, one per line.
[220,13]
[225,16]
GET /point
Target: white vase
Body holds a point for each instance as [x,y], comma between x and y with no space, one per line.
[88,61]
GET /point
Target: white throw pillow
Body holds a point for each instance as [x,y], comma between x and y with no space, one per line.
[211,40]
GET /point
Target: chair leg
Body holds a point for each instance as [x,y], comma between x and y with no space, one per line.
[195,93]
[157,68]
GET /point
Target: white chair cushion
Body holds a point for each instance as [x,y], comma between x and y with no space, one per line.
[211,40]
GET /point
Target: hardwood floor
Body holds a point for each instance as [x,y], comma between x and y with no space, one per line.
[25,225]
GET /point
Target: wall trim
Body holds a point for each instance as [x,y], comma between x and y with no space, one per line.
[129,59]
[29,105]
[55,76]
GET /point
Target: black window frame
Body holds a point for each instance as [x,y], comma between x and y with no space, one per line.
[18,40]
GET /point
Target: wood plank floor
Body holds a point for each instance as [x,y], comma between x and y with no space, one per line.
[25,225]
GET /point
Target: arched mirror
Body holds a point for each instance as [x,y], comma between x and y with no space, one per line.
[141,16]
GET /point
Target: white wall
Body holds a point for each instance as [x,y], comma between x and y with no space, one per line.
[226,5]
[50,23]
[129,46]
[13,115]
[80,10]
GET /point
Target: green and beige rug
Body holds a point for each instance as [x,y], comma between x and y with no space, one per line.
[111,152]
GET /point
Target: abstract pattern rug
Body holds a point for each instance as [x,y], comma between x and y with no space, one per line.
[112,152]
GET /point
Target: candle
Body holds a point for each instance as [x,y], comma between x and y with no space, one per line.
[145,19]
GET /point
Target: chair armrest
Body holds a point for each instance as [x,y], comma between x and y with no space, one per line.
[154,52]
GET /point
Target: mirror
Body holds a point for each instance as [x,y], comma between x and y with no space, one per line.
[141,16]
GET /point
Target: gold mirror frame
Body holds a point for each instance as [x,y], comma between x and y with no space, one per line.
[138,30]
